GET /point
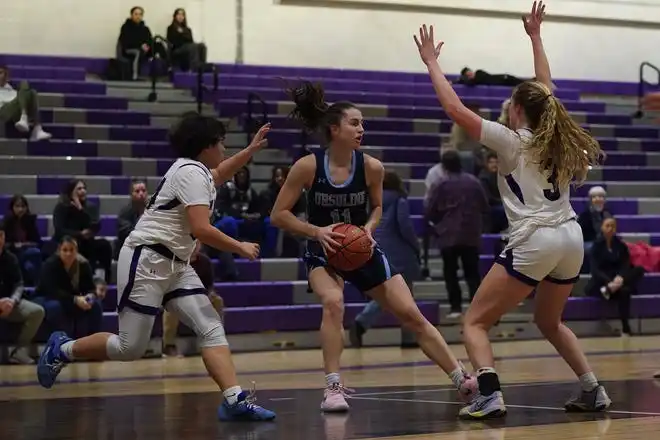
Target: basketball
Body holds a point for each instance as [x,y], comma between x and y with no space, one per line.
[355,248]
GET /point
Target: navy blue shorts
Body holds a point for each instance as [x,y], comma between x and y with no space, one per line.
[374,273]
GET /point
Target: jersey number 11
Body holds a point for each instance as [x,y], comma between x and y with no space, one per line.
[341,216]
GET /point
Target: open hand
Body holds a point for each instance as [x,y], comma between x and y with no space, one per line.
[326,236]
[533,20]
[371,237]
[428,50]
[259,140]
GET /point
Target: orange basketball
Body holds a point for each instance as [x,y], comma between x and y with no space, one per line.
[355,249]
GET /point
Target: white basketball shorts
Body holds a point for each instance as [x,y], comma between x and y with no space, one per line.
[147,280]
[553,254]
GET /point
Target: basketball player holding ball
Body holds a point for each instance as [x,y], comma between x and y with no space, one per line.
[345,187]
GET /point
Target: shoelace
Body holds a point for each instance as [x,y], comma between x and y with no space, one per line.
[251,398]
[338,388]
[56,366]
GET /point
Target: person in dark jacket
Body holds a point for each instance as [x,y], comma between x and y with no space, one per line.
[396,236]
[591,219]
[23,238]
[131,213]
[136,41]
[238,204]
[68,292]
[613,277]
[488,178]
[14,307]
[457,206]
[278,243]
[74,216]
[186,54]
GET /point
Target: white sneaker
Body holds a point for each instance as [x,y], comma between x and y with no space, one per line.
[38,134]
[22,125]
[20,356]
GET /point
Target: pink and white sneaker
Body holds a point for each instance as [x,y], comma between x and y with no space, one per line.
[334,398]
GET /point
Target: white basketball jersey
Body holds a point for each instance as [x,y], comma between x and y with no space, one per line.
[529,195]
[186,183]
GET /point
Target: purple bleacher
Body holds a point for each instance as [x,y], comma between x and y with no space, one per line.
[82,101]
[588,308]
[38,72]
[63,86]
[357,86]
[104,117]
[90,65]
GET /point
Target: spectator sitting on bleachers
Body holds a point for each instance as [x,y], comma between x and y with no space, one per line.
[396,236]
[590,219]
[238,205]
[457,207]
[469,149]
[203,266]
[15,308]
[131,213]
[488,177]
[281,243]
[612,275]
[76,217]
[23,238]
[67,291]
[136,41]
[186,54]
[20,106]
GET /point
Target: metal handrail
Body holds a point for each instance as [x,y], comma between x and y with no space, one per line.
[642,84]
[202,87]
[251,124]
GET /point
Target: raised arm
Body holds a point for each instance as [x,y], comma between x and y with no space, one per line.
[449,100]
[532,23]
[228,167]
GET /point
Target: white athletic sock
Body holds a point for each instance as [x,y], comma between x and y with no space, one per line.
[457,376]
[231,394]
[67,350]
[588,381]
[331,379]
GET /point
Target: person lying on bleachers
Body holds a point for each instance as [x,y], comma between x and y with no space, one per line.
[483,78]
[131,213]
[203,266]
[613,277]
[186,54]
[136,41]
[592,217]
[20,106]
[15,308]
[67,292]
[279,243]
[76,217]
[23,238]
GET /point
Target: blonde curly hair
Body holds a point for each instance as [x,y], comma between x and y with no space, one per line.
[558,143]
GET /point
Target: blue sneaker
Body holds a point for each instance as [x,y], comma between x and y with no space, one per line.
[52,360]
[244,410]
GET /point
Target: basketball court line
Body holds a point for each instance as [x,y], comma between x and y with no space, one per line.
[448,388]
[8,383]
[545,408]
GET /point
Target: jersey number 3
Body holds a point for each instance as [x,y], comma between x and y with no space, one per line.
[341,216]
[552,194]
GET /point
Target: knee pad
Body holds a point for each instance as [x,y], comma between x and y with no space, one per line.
[119,349]
[214,336]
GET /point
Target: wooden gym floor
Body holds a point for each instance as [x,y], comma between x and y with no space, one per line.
[399,395]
